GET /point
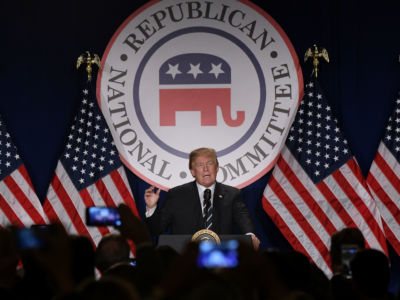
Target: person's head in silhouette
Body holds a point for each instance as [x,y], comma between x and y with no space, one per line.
[371,274]
[112,249]
[341,241]
[82,258]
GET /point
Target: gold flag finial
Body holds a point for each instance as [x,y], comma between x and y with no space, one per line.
[86,58]
[316,54]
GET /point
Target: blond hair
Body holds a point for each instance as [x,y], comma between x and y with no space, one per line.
[202,152]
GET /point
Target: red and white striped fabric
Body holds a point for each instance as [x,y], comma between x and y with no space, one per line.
[65,204]
[89,173]
[19,204]
[317,187]
[18,201]
[384,179]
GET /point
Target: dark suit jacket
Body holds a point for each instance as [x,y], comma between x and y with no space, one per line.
[182,211]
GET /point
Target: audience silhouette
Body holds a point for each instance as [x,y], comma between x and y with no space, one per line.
[62,267]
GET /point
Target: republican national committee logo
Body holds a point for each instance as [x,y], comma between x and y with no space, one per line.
[179,75]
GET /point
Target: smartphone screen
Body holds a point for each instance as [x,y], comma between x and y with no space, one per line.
[102,216]
[28,238]
[222,255]
[347,253]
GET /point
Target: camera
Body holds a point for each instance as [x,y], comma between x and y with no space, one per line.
[212,255]
[102,216]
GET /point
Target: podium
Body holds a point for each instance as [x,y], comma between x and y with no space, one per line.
[179,241]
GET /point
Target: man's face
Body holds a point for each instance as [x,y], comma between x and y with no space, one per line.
[204,169]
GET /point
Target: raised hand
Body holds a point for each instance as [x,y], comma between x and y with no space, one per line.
[151,197]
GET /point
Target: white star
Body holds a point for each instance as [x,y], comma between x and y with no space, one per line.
[195,70]
[216,70]
[173,70]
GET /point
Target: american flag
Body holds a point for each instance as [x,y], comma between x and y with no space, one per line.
[384,178]
[89,173]
[317,187]
[19,204]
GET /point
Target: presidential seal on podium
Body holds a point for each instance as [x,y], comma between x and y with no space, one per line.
[206,235]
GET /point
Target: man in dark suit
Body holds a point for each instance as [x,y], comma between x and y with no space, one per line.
[201,204]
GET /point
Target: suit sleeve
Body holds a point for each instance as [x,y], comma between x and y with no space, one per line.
[241,215]
[159,222]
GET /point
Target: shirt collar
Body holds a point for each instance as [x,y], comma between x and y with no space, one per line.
[202,188]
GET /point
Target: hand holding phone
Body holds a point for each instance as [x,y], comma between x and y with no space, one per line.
[102,216]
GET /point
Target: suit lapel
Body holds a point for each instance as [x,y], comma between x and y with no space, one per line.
[218,196]
[197,209]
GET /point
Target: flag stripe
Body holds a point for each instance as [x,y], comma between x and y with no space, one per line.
[69,207]
[323,202]
[104,193]
[9,212]
[25,202]
[119,179]
[384,178]
[88,201]
[24,173]
[335,204]
[306,197]
[294,233]
[387,170]
[394,240]
[348,204]
[363,209]
[283,227]
[389,210]
[50,212]
[299,218]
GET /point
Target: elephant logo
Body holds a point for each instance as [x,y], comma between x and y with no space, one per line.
[206,74]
